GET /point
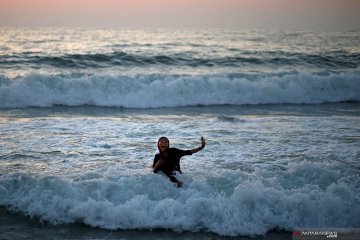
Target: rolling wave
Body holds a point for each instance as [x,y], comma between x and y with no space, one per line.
[156,91]
[238,204]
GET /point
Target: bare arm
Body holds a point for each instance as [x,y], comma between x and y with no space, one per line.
[203,143]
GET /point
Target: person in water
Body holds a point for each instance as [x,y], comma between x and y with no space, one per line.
[168,159]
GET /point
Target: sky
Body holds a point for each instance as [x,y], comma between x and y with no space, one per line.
[181,13]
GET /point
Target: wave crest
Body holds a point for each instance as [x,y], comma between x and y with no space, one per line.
[229,203]
[155,91]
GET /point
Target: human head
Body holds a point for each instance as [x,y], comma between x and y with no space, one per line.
[163,144]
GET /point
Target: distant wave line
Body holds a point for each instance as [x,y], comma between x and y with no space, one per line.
[99,60]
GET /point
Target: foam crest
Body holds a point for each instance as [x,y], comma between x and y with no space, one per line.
[229,203]
[155,91]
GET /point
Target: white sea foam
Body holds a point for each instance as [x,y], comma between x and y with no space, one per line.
[153,91]
[225,202]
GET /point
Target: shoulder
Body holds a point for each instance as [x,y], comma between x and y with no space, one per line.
[174,150]
[157,156]
[180,152]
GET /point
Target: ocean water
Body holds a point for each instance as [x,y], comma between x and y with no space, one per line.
[81,111]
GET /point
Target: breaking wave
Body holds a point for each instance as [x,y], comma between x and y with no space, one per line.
[227,202]
[156,90]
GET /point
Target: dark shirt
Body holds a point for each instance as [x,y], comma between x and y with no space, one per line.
[172,160]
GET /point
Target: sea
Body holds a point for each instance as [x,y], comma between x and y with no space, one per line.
[81,110]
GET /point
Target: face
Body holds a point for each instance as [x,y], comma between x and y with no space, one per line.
[163,144]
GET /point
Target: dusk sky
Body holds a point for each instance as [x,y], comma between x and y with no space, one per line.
[181,13]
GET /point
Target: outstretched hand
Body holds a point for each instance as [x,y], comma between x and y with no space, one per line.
[203,142]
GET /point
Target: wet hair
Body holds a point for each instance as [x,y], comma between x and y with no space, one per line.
[163,138]
[177,165]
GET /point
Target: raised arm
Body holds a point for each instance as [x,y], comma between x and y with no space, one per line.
[203,143]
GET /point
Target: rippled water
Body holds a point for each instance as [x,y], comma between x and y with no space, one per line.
[264,167]
[81,111]
[88,51]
